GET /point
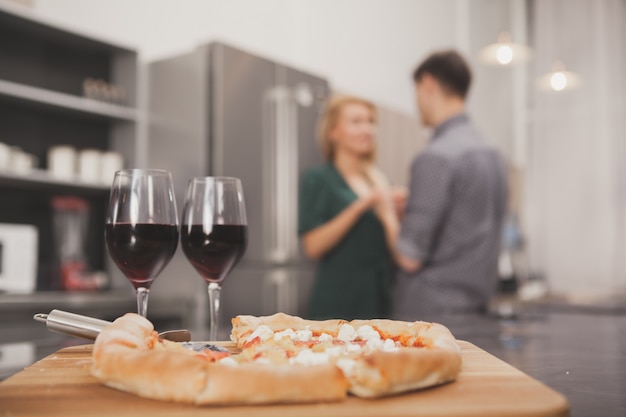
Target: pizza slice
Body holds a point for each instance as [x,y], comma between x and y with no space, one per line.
[377,357]
[129,356]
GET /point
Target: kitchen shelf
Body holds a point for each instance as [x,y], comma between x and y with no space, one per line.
[39,179]
[55,100]
[44,69]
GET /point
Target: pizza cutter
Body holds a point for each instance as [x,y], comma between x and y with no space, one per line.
[89,328]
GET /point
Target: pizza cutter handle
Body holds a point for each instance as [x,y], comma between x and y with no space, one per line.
[72,324]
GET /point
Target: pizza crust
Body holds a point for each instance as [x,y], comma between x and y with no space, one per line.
[387,373]
[253,383]
[122,359]
[158,374]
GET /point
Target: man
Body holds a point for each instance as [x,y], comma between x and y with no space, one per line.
[449,239]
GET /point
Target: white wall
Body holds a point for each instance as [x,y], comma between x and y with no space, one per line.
[577,194]
[366,47]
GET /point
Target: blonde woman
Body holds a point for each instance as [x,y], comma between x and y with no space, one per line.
[341,203]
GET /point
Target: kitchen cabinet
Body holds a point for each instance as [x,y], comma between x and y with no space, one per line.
[59,87]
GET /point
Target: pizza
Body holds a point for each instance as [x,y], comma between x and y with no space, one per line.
[278,359]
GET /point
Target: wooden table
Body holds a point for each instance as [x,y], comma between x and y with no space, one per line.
[60,385]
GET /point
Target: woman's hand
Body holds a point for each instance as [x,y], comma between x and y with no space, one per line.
[322,239]
[390,209]
[389,202]
[399,196]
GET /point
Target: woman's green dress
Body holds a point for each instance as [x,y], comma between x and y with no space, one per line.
[354,278]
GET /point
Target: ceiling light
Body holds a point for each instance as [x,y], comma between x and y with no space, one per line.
[559,79]
[504,52]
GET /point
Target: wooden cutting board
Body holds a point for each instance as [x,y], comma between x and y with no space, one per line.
[60,385]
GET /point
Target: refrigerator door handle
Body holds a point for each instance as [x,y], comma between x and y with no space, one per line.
[281,173]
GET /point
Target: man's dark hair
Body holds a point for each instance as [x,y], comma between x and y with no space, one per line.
[450,69]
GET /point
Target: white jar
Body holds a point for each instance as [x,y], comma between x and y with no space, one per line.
[89,165]
[21,162]
[5,156]
[110,163]
[62,162]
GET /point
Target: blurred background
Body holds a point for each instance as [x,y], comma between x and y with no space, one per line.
[183,85]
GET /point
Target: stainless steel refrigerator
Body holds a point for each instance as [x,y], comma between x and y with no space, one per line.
[222,111]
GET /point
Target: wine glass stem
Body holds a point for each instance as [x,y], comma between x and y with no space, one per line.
[142,301]
[214,306]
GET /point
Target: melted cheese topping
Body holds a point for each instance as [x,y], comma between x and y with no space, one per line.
[347,333]
[308,357]
[263,332]
[368,333]
[325,337]
[305,335]
[285,333]
[301,347]
[389,346]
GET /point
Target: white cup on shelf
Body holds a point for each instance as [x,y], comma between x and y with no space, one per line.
[21,162]
[62,162]
[5,156]
[110,162]
[89,165]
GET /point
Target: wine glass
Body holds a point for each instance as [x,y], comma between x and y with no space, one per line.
[214,233]
[141,228]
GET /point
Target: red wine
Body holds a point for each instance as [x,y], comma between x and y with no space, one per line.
[216,252]
[141,251]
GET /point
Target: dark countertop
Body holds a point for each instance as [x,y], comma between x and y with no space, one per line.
[579,353]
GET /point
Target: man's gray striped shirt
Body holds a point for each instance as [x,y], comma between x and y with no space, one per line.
[452,224]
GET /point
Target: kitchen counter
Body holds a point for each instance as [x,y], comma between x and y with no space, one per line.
[580,353]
